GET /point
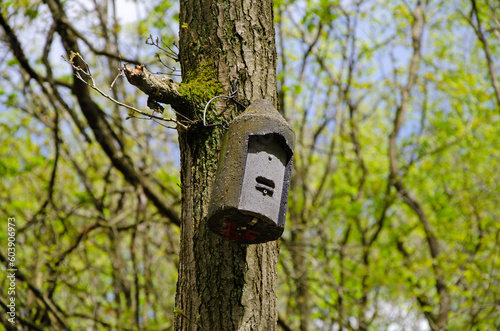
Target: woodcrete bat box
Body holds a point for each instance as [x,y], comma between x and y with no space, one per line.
[250,192]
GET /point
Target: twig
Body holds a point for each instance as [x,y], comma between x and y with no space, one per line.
[100,52]
[78,74]
[173,69]
[169,52]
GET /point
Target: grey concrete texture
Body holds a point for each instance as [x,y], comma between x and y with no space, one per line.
[250,192]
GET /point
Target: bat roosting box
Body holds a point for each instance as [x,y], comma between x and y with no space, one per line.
[250,192]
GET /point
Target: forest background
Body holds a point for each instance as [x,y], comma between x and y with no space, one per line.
[393,218]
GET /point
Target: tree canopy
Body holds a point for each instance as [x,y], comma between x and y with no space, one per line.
[393,219]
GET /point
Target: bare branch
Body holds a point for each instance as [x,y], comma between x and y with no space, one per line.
[80,73]
[169,51]
[110,142]
[52,94]
[163,90]
[97,51]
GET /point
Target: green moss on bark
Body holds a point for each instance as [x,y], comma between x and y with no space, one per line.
[201,85]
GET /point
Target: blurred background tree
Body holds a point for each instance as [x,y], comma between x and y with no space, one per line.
[393,210]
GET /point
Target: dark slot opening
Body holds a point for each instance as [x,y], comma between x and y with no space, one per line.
[265,181]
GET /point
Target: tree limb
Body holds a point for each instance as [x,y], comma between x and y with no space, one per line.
[85,76]
[49,304]
[19,317]
[163,90]
[487,51]
[396,181]
[105,135]
[17,50]
[283,324]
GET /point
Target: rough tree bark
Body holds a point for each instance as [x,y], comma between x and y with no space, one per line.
[222,285]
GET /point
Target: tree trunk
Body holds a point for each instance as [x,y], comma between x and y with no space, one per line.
[222,285]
